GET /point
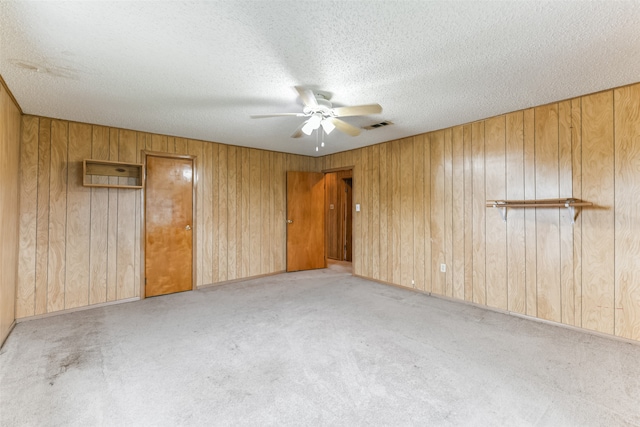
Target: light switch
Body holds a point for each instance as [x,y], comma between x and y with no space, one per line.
[357,207]
[331,206]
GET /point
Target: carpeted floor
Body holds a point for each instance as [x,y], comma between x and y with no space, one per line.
[311,348]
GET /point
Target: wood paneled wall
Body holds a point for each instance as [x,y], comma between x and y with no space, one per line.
[81,246]
[423,205]
[9,154]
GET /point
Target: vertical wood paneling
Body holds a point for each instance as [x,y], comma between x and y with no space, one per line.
[374,218]
[159,143]
[208,207]
[57,216]
[223,210]
[627,208]
[530,214]
[358,242]
[468,213]
[394,221]
[99,221]
[418,212]
[247,246]
[215,213]
[547,220]
[368,250]
[255,213]
[496,229]
[171,145]
[112,223]
[365,194]
[181,146]
[598,246]
[576,170]
[428,270]
[448,212]
[125,276]
[479,208]
[78,233]
[437,212]
[567,289]
[385,201]
[240,196]
[457,212]
[266,211]
[406,212]
[515,225]
[232,213]
[145,141]
[42,224]
[28,178]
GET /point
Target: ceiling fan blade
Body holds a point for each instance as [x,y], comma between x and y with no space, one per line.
[357,110]
[298,133]
[262,116]
[307,96]
[345,127]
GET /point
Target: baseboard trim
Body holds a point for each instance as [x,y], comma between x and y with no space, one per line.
[123,301]
[242,279]
[4,338]
[73,310]
[509,313]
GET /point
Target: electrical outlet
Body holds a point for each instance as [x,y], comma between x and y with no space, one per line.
[443,268]
[413,282]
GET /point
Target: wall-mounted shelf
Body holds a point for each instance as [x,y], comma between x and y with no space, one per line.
[569,203]
[132,172]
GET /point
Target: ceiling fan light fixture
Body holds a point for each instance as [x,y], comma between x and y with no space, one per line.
[328,126]
[312,124]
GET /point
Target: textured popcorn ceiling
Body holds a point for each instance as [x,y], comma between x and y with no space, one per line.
[199,69]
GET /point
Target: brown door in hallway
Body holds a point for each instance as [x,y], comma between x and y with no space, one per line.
[168,225]
[305,221]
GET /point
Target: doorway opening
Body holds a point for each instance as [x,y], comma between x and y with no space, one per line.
[319,220]
[339,219]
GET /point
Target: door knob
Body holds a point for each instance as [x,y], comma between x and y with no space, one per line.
[188,227]
[289,221]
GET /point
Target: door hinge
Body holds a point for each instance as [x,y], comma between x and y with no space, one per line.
[145,281]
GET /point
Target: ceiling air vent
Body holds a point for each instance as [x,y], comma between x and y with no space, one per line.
[378,125]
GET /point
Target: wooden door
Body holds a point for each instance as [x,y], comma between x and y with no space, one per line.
[168,225]
[305,221]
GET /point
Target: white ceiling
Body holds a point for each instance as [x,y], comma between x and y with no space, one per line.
[199,69]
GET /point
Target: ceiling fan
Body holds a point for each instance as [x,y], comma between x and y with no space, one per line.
[320,112]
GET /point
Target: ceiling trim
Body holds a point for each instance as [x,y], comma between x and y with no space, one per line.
[13,98]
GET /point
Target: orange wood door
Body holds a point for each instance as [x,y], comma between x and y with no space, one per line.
[169,225]
[305,221]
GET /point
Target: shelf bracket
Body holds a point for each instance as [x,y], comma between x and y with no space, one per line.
[503,210]
[572,209]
